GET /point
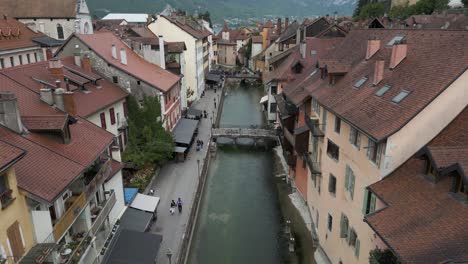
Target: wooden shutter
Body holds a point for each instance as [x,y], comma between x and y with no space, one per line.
[347,177]
[351,135]
[351,185]
[358,140]
[103,120]
[379,151]
[373,199]
[112,116]
[356,248]
[366,197]
[16,242]
[125,108]
[370,148]
[343,226]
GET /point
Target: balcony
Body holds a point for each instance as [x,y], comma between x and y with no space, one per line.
[312,123]
[122,123]
[289,136]
[101,211]
[314,166]
[76,205]
[6,198]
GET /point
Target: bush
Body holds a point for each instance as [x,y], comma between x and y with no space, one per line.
[372,10]
[422,7]
[378,256]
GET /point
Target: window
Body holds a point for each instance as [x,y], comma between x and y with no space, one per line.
[12,61]
[369,202]
[316,219]
[324,120]
[316,106]
[330,222]
[352,237]
[394,40]
[28,58]
[344,226]
[355,137]
[112,116]
[349,181]
[333,150]
[374,151]
[103,120]
[313,52]
[20,57]
[138,82]
[272,107]
[383,90]
[115,79]
[3,184]
[337,124]
[332,184]
[60,32]
[399,97]
[15,237]
[360,82]
[2,63]
[118,119]
[35,57]
[274,90]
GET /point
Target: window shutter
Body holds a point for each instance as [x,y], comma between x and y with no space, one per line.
[379,150]
[342,226]
[103,120]
[347,177]
[369,148]
[366,197]
[358,141]
[351,135]
[351,185]
[125,108]
[330,183]
[348,236]
[356,248]
[112,116]
[373,200]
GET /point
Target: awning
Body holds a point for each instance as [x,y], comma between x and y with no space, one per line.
[135,220]
[194,113]
[301,130]
[213,77]
[145,203]
[180,149]
[130,194]
[133,247]
[184,131]
[264,99]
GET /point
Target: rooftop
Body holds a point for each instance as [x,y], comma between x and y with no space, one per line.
[9,154]
[192,28]
[42,9]
[15,35]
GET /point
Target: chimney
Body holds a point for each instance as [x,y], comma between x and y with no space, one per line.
[399,51]
[114,52]
[86,63]
[56,69]
[58,84]
[46,96]
[77,56]
[286,23]
[373,45]
[303,49]
[162,52]
[69,103]
[279,26]
[378,71]
[58,99]
[123,56]
[10,116]
[48,54]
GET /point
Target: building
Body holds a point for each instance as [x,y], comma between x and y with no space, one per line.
[57,19]
[227,53]
[195,37]
[130,18]
[16,231]
[424,198]
[380,97]
[18,46]
[67,201]
[113,59]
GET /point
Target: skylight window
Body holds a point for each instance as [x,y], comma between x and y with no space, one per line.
[361,81]
[383,90]
[399,97]
[395,39]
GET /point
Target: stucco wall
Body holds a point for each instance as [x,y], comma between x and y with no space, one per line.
[15,54]
[226,55]
[116,184]
[256,49]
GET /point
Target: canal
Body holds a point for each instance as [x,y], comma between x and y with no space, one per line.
[239,218]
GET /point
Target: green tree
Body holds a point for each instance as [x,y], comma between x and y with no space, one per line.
[149,143]
[378,256]
[400,12]
[465,3]
[248,49]
[372,10]
[422,7]
[359,6]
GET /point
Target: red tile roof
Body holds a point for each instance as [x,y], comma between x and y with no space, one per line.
[422,222]
[37,123]
[136,66]
[257,39]
[21,35]
[424,72]
[198,32]
[9,154]
[87,103]
[42,9]
[176,47]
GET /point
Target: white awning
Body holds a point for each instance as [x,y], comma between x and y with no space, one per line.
[145,203]
[264,99]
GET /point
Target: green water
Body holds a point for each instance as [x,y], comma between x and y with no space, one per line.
[239,219]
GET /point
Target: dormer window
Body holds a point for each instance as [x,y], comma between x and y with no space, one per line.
[360,82]
[395,40]
[431,171]
[459,188]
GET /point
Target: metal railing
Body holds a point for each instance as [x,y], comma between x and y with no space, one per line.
[314,166]
[313,124]
[243,132]
[108,205]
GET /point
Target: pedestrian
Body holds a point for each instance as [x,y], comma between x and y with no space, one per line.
[151,192]
[172,208]
[202,143]
[215,104]
[179,204]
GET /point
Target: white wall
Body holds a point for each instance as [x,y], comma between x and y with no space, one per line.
[256,49]
[116,184]
[42,225]
[15,54]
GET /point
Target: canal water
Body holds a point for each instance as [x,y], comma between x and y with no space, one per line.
[239,218]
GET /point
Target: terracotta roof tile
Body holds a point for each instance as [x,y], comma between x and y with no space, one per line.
[37,123]
[257,39]
[197,33]
[42,9]
[176,47]
[138,67]
[15,35]
[8,154]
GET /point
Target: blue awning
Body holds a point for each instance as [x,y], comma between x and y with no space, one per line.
[130,194]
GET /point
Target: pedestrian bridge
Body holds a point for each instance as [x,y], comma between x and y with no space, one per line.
[252,133]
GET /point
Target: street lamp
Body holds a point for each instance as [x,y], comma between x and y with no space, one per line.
[169,254]
[198,165]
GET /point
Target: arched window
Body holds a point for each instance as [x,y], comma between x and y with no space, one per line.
[60,32]
[86,28]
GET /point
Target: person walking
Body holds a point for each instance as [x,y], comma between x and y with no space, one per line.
[179,204]
[172,209]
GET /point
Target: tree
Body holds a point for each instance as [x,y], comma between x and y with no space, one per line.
[372,10]
[465,3]
[358,8]
[378,256]
[422,7]
[149,143]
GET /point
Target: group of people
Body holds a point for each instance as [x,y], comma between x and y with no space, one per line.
[200,144]
[177,204]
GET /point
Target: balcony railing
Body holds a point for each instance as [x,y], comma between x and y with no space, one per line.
[6,198]
[314,166]
[98,180]
[314,126]
[105,209]
[67,219]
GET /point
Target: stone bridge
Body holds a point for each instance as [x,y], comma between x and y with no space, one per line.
[252,133]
